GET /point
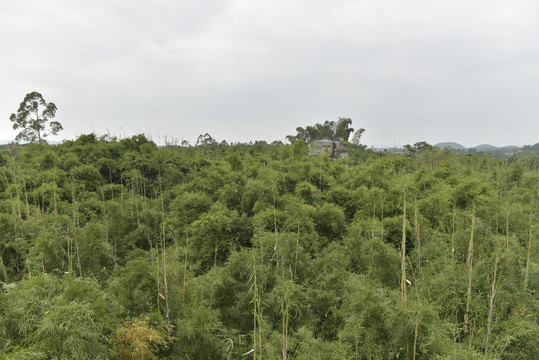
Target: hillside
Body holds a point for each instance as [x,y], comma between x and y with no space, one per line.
[451,145]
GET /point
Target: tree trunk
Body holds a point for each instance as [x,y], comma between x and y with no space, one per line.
[469,262]
[403,250]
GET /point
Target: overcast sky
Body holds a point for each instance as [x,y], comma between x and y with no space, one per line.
[405,70]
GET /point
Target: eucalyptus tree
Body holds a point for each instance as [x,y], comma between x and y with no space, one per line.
[33,117]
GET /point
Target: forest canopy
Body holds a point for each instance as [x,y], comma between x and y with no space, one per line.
[120,249]
[333,130]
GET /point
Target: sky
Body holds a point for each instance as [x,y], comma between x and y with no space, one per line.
[243,70]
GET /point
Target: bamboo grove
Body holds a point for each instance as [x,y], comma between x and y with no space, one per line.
[118,249]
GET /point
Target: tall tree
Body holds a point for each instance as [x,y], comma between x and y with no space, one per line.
[328,130]
[33,117]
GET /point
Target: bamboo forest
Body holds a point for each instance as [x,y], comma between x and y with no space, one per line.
[121,249]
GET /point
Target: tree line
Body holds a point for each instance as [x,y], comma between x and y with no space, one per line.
[116,248]
[119,249]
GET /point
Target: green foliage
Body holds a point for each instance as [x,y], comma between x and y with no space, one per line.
[55,318]
[32,117]
[328,130]
[198,334]
[249,251]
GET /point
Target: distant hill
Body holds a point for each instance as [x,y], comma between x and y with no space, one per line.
[485,147]
[531,147]
[452,145]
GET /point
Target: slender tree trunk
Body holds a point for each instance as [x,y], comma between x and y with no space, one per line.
[54,193]
[417,234]
[26,197]
[276,234]
[29,269]
[69,257]
[75,231]
[111,185]
[13,210]
[297,250]
[403,250]
[382,222]
[469,262]
[185,268]
[4,271]
[373,218]
[453,239]
[16,182]
[257,315]
[143,192]
[528,256]
[507,231]
[491,303]
[164,250]
[36,205]
[43,200]
[214,272]
[285,308]
[255,294]
[415,335]
[121,185]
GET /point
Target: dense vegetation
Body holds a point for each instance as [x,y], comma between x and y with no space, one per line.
[120,249]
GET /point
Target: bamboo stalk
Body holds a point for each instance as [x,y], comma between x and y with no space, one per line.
[75,231]
[111,185]
[185,268]
[528,256]
[415,336]
[214,272]
[373,217]
[417,234]
[29,269]
[121,185]
[507,231]
[16,183]
[143,192]
[4,271]
[43,199]
[26,197]
[403,250]
[69,265]
[13,211]
[54,193]
[382,222]
[453,239]
[285,306]
[36,205]
[164,250]
[297,250]
[255,294]
[469,262]
[491,303]
[158,277]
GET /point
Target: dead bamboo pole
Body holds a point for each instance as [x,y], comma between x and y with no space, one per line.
[528,255]
[75,240]
[403,250]
[469,263]
[164,248]
[417,234]
[453,239]
[492,295]
[185,268]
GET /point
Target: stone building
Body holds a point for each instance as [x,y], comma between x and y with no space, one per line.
[335,148]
